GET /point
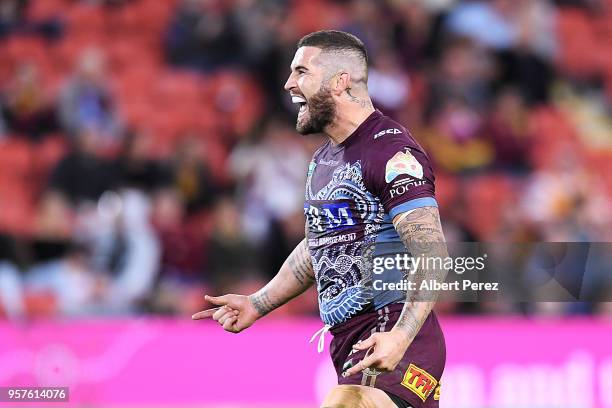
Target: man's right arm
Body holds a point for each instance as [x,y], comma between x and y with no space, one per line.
[238,312]
[294,278]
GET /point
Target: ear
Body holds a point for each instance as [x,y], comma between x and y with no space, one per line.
[341,83]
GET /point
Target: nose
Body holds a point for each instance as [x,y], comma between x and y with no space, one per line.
[291,83]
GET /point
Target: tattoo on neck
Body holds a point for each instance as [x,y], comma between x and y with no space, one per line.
[362,102]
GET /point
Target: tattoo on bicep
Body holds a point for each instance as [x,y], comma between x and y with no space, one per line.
[421,225]
[300,264]
[422,234]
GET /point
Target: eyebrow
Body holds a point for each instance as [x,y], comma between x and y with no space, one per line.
[299,67]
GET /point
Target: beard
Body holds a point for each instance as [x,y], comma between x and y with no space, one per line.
[320,112]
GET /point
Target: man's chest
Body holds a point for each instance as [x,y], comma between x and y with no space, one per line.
[337,198]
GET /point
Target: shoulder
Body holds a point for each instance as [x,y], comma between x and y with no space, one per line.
[391,154]
[395,130]
[387,139]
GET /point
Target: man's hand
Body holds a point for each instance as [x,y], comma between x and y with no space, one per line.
[235,312]
[387,350]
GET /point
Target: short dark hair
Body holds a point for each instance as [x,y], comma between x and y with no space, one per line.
[334,40]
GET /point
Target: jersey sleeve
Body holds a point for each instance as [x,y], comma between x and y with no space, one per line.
[400,173]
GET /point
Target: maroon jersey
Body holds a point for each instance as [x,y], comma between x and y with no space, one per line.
[353,191]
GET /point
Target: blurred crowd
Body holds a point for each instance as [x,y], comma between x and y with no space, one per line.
[148,152]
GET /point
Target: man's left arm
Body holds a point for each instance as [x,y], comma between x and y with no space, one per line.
[420,230]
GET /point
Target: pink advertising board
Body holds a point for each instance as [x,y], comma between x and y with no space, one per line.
[152,362]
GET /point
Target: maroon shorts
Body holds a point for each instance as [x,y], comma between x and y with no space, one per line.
[416,379]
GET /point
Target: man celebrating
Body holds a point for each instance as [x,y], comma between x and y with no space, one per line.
[369,195]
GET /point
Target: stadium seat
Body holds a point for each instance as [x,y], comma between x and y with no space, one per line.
[487,199]
[85,18]
[552,130]
[41,10]
[15,158]
[447,189]
[16,207]
[48,153]
[237,98]
[578,44]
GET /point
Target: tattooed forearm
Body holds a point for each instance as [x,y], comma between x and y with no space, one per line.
[421,232]
[262,303]
[300,264]
[295,276]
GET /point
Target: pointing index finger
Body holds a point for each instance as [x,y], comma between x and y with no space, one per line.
[205,314]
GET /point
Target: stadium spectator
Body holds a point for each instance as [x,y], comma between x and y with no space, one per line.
[192,176]
[11,16]
[561,190]
[232,259]
[490,23]
[55,218]
[463,72]
[134,167]
[136,271]
[181,240]
[181,269]
[69,280]
[456,139]
[256,167]
[25,106]
[388,83]
[267,36]
[200,34]
[522,35]
[14,20]
[11,291]
[82,175]
[365,22]
[86,101]
[416,32]
[507,128]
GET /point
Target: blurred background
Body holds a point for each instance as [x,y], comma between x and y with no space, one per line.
[148,156]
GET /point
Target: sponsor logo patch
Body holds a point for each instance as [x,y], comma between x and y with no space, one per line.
[403,163]
[387,132]
[437,393]
[403,186]
[419,381]
[328,216]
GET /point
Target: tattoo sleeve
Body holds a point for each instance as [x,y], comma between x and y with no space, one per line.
[295,276]
[421,232]
[300,264]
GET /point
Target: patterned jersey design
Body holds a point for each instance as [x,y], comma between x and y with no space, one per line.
[343,278]
[352,192]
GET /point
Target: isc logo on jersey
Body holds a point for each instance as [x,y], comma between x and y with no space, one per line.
[387,132]
[328,216]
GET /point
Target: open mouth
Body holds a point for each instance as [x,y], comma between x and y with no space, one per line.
[301,101]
